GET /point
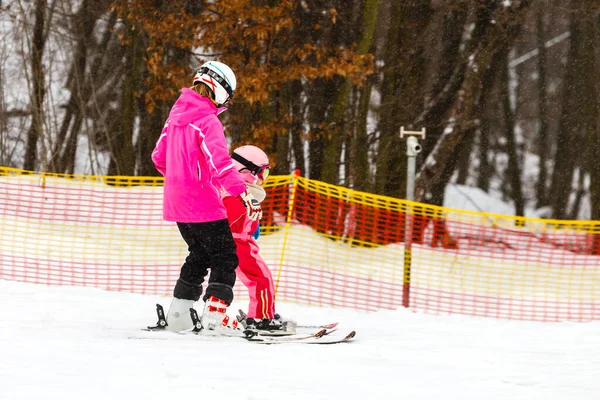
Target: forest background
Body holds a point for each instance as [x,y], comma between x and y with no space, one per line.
[508,90]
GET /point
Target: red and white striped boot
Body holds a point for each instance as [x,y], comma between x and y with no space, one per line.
[215,318]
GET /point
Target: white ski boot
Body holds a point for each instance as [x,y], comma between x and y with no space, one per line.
[214,317]
[178,317]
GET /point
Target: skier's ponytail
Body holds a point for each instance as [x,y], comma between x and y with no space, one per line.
[203,90]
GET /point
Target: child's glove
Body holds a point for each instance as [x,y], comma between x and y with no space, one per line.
[252,206]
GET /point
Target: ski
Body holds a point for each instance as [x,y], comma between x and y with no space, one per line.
[233,329]
[253,336]
[333,325]
[242,316]
[163,334]
[318,338]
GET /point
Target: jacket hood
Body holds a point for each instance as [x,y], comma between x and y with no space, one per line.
[190,106]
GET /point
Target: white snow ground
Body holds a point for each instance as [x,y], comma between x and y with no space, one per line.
[73,343]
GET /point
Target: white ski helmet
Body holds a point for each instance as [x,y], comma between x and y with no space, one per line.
[219,78]
[252,162]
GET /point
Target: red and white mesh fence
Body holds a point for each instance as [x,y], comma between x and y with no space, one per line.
[326,246]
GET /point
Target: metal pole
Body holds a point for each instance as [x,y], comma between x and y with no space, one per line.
[412,149]
[411,142]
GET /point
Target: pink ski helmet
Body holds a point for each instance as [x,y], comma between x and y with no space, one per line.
[251,162]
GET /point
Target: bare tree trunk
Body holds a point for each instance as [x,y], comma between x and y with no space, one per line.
[317,109]
[402,94]
[437,191]
[150,127]
[513,170]
[360,143]
[335,122]
[318,101]
[579,193]
[36,130]
[63,154]
[447,89]
[570,136]
[296,129]
[464,157]
[592,103]
[452,36]
[4,159]
[122,160]
[544,148]
[486,170]
[281,137]
[349,140]
[151,121]
[106,71]
[497,37]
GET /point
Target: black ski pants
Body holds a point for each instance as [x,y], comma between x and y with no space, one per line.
[211,246]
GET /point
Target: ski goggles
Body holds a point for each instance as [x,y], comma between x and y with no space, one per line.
[261,171]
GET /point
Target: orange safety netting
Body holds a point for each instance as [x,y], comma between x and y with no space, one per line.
[326,245]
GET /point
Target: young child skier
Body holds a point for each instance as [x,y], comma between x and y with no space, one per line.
[193,156]
[253,165]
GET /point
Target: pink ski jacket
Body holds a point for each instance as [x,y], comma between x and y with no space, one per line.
[193,156]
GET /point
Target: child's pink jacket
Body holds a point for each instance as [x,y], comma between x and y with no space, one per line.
[193,156]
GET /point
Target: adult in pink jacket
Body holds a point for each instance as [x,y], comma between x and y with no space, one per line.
[193,156]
